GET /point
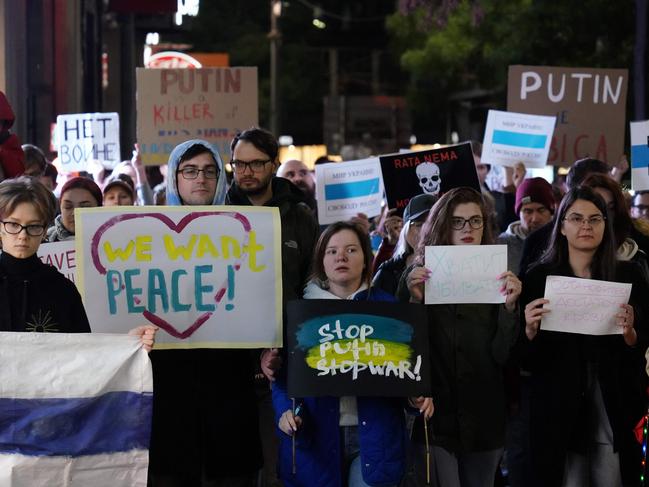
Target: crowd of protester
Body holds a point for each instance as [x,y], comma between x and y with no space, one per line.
[511,404]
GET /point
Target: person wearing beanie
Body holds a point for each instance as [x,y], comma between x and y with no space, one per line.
[535,206]
[389,272]
[119,191]
[77,192]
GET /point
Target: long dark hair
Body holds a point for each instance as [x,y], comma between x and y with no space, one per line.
[437,230]
[621,220]
[557,255]
[320,248]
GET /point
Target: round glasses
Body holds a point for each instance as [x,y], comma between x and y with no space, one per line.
[14,228]
[474,222]
[210,172]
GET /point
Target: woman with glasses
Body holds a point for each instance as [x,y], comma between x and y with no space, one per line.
[587,390]
[469,346]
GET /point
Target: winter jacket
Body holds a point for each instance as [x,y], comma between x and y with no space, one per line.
[58,232]
[205,418]
[319,454]
[36,297]
[299,232]
[388,274]
[558,362]
[12,158]
[514,237]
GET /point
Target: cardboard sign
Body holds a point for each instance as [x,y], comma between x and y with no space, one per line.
[84,137]
[61,255]
[209,277]
[589,105]
[511,138]
[344,189]
[433,171]
[175,105]
[357,348]
[640,155]
[465,273]
[585,306]
[75,409]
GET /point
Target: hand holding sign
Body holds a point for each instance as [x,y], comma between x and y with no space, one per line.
[625,319]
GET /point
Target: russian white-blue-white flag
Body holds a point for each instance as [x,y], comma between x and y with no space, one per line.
[640,155]
[75,410]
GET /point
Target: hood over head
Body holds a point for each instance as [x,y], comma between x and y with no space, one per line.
[7,116]
[173,198]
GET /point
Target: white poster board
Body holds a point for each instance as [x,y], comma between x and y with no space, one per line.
[209,277]
[465,273]
[344,189]
[61,255]
[584,306]
[83,137]
[511,138]
[640,155]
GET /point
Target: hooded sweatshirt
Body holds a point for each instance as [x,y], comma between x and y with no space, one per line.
[209,386]
[514,237]
[173,198]
[12,158]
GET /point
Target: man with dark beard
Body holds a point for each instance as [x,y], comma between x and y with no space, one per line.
[255,162]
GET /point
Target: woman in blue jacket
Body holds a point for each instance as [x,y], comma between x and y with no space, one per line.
[355,441]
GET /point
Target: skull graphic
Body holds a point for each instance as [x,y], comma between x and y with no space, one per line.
[429,180]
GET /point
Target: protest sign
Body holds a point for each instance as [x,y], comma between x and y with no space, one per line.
[75,409]
[433,171]
[357,348]
[84,137]
[589,105]
[60,255]
[175,105]
[640,155]
[209,277]
[465,273]
[585,306]
[511,138]
[344,189]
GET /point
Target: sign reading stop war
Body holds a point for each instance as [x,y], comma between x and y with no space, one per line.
[357,348]
[589,105]
[190,270]
[585,306]
[175,105]
[84,137]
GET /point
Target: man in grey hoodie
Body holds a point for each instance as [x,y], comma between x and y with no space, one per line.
[205,429]
[535,206]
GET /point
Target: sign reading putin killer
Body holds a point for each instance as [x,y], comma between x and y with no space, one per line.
[209,277]
[589,105]
[175,105]
[433,171]
[357,348]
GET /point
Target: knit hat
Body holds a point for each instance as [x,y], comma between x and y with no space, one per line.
[83,183]
[417,206]
[534,190]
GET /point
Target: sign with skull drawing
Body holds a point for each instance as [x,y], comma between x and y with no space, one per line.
[433,171]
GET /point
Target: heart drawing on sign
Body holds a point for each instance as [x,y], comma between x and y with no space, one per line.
[175,331]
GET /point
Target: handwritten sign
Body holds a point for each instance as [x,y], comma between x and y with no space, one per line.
[175,105]
[359,348]
[61,255]
[465,273]
[209,277]
[432,171]
[584,306]
[346,188]
[84,137]
[640,155]
[589,104]
[511,138]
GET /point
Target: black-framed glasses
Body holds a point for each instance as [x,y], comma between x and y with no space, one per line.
[579,220]
[474,222]
[15,228]
[210,172]
[255,166]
